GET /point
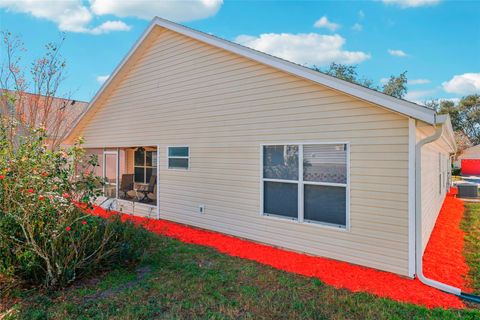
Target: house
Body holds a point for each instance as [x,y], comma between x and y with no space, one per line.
[469,161]
[57,114]
[212,134]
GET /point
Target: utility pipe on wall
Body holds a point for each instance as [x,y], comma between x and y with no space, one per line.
[418,223]
[418,217]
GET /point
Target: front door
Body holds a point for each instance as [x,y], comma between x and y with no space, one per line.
[110,173]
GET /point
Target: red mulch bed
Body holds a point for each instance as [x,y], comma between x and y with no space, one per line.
[443,259]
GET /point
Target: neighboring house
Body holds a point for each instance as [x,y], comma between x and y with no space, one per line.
[247,144]
[57,114]
[469,161]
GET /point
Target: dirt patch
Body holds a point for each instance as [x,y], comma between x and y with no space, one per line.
[141,274]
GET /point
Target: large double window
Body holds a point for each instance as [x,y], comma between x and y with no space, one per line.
[306,182]
[145,165]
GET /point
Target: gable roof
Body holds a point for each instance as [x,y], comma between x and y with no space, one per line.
[401,106]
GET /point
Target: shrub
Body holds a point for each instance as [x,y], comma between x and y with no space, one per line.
[45,238]
[456,172]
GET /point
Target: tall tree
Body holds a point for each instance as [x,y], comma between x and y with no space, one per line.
[463,142]
[469,107]
[33,100]
[465,115]
[396,86]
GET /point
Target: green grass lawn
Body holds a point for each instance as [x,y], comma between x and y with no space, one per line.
[183,281]
[471,225]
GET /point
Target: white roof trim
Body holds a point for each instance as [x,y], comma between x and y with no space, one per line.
[398,105]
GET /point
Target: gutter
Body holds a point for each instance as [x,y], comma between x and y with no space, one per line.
[418,223]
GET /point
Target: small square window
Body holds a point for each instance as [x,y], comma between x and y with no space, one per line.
[178,157]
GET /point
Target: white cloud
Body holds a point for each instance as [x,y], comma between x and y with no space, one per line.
[425,101]
[69,15]
[324,23]
[361,14]
[466,83]
[418,95]
[77,15]
[412,3]
[180,11]
[304,48]
[410,82]
[397,53]
[102,79]
[454,100]
[357,27]
[384,80]
[418,81]
[108,26]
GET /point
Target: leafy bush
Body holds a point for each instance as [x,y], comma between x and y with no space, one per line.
[456,171]
[45,238]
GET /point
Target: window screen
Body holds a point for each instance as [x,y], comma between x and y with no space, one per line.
[280,162]
[281,199]
[178,157]
[325,163]
[325,204]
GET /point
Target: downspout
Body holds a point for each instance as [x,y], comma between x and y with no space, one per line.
[418,223]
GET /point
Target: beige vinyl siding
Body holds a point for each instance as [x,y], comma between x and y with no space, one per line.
[183,92]
[432,199]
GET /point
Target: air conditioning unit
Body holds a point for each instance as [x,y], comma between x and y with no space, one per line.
[467,190]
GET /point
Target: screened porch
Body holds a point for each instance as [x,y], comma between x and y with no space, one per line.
[130,175]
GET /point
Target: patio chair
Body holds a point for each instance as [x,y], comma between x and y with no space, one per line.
[151,185]
[153,195]
[141,193]
[126,186]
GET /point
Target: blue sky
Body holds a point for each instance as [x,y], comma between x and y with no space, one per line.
[437,42]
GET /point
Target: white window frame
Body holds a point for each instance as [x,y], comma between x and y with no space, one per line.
[145,167]
[178,157]
[301,183]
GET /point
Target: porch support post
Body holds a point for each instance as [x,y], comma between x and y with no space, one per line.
[158,182]
[117,187]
